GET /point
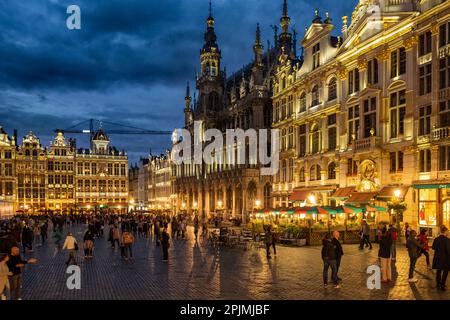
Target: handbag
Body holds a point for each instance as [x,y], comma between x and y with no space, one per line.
[76,246]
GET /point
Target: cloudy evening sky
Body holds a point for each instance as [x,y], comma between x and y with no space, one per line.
[128,64]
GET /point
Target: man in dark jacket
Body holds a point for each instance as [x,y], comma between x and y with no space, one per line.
[15,264]
[338,251]
[27,238]
[414,249]
[165,244]
[441,260]
[329,260]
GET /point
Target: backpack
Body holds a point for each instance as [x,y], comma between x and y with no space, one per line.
[128,238]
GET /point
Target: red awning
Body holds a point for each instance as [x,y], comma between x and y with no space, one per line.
[300,195]
[388,192]
[343,192]
[361,197]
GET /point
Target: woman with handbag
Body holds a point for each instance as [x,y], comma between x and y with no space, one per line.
[71,245]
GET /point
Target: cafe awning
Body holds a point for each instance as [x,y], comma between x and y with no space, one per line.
[352,210]
[330,210]
[371,208]
[361,197]
[388,192]
[304,193]
[306,210]
[343,193]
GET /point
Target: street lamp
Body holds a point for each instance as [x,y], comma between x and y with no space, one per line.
[257,204]
[312,199]
[219,204]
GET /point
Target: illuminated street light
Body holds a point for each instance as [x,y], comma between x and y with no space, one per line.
[312,199]
[257,203]
[397,193]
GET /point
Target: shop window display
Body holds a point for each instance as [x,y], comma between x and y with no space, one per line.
[427,207]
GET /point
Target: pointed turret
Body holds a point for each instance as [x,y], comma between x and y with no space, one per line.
[285,36]
[210,53]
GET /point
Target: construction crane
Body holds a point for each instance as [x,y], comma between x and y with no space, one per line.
[129,129]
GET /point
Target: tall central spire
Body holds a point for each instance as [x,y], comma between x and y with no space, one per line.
[285,37]
[285,19]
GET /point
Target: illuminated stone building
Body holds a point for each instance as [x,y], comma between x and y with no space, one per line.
[8,181]
[31,168]
[61,175]
[159,182]
[365,116]
[239,101]
[101,177]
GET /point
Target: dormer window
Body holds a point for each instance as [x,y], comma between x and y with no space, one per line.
[316,56]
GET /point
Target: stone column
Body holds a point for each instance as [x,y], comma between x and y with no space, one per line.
[435,75]
[362,67]
[411,80]
[383,79]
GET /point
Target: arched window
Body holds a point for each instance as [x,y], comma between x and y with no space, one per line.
[302,102]
[332,89]
[315,139]
[314,173]
[315,96]
[302,175]
[27,153]
[332,171]
[35,153]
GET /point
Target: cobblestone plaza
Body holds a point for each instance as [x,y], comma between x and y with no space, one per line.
[201,272]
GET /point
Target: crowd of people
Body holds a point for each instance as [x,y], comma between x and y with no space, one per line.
[25,233]
[416,244]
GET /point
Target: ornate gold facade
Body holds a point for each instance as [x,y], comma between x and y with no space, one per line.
[370,110]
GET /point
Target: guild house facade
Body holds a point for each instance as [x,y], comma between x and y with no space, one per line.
[364,116]
[60,178]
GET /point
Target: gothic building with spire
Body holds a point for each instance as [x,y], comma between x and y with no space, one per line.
[239,101]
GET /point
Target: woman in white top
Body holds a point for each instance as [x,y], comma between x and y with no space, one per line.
[71,245]
[4,281]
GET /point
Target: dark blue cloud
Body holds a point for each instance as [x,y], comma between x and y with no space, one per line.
[130,61]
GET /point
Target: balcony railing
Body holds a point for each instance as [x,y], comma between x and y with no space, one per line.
[441,133]
[365,144]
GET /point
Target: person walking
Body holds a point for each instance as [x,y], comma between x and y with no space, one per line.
[71,245]
[441,259]
[365,236]
[329,261]
[156,232]
[407,233]
[126,242]
[15,264]
[37,235]
[196,227]
[5,293]
[165,244]
[414,249]
[116,235]
[88,244]
[384,253]
[27,238]
[268,241]
[394,236]
[423,239]
[44,228]
[338,251]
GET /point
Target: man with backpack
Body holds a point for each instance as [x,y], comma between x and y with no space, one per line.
[126,245]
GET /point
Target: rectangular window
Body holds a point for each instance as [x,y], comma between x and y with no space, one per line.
[352,167]
[425,79]
[370,117]
[444,34]
[444,114]
[353,123]
[290,105]
[427,207]
[372,72]
[8,188]
[397,113]
[444,73]
[424,43]
[353,81]
[302,140]
[396,162]
[444,158]
[425,160]
[424,120]
[398,62]
[316,56]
